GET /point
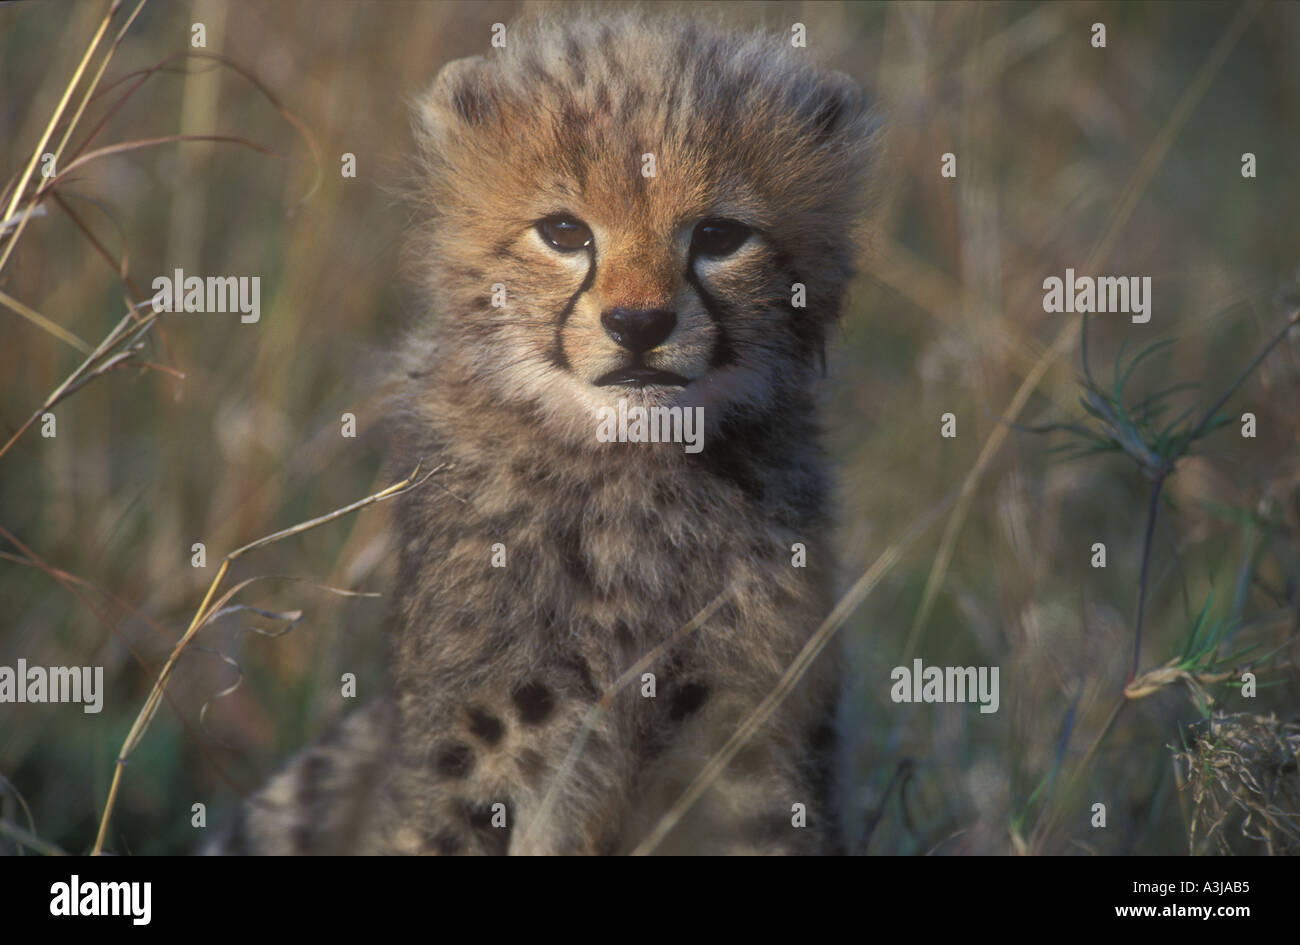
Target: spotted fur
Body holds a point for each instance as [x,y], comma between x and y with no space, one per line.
[610,547]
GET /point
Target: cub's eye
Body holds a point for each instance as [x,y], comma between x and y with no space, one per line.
[564,233]
[718,237]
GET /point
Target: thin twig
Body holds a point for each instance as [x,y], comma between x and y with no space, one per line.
[71,583]
[49,130]
[1052,813]
[73,380]
[204,612]
[140,143]
[43,323]
[1153,509]
[1292,320]
[122,268]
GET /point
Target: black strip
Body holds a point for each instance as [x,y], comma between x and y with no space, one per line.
[557,355]
[723,352]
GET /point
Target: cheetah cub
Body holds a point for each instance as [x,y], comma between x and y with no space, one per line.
[622,212]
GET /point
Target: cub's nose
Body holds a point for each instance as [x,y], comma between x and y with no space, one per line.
[639,329]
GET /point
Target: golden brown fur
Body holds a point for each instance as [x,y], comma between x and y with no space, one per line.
[609,547]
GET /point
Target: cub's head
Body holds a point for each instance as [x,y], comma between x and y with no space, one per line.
[640,209]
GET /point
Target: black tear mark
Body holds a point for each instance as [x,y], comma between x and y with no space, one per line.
[534,701]
[483,724]
[723,351]
[687,700]
[454,760]
[557,355]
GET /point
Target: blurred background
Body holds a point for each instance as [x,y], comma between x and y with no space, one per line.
[1122,160]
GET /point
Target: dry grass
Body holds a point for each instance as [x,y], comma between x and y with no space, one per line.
[1243,775]
[174,429]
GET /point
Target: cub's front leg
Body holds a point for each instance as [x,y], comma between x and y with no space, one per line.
[773,797]
[492,770]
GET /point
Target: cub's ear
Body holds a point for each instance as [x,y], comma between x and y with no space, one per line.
[838,105]
[463,95]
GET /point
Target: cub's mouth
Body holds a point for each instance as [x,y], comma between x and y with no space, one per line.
[640,377]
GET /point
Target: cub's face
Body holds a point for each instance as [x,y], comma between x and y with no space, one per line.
[630,212]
